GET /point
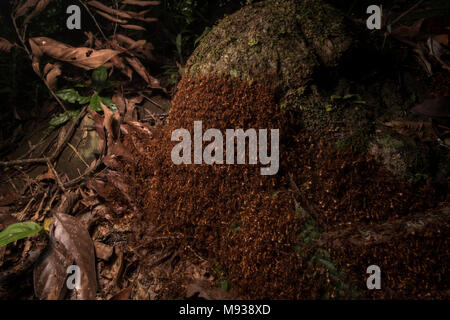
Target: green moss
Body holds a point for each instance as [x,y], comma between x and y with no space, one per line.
[389,142]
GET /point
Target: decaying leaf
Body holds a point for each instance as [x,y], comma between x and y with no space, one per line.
[141,3]
[70,243]
[409,32]
[132,27]
[82,57]
[420,129]
[203,289]
[140,69]
[118,63]
[5,45]
[123,294]
[111,18]
[52,72]
[41,5]
[112,11]
[103,251]
[435,108]
[23,9]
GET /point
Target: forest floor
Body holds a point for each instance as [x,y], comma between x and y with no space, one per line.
[139,227]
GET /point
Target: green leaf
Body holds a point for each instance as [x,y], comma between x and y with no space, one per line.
[335,97]
[349,96]
[109,103]
[19,231]
[83,100]
[82,85]
[63,118]
[69,95]
[100,74]
[330,266]
[178,43]
[224,284]
[95,103]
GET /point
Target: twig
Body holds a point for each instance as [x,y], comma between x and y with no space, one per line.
[30,56]
[93,18]
[80,178]
[407,11]
[152,101]
[55,154]
[58,180]
[79,156]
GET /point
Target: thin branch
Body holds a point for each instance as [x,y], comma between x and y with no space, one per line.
[407,11]
[93,18]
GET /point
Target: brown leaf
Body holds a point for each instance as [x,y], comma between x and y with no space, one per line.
[70,242]
[98,123]
[118,63]
[409,32]
[53,74]
[120,102]
[141,3]
[435,108]
[8,198]
[5,45]
[103,251]
[42,4]
[140,69]
[35,65]
[49,175]
[133,27]
[118,149]
[420,129]
[442,39]
[123,294]
[203,289]
[112,11]
[82,57]
[22,10]
[50,273]
[111,18]
[111,123]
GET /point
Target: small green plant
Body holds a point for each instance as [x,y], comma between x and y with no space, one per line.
[319,258]
[99,82]
[223,282]
[343,101]
[19,231]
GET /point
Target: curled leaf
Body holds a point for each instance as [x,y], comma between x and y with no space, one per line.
[5,45]
[41,5]
[82,57]
[132,27]
[70,243]
[140,69]
[142,3]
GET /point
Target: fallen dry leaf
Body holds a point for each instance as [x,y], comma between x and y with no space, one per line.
[112,11]
[82,57]
[435,108]
[141,3]
[5,45]
[52,72]
[133,27]
[420,129]
[409,32]
[140,69]
[22,10]
[70,243]
[41,5]
[103,251]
